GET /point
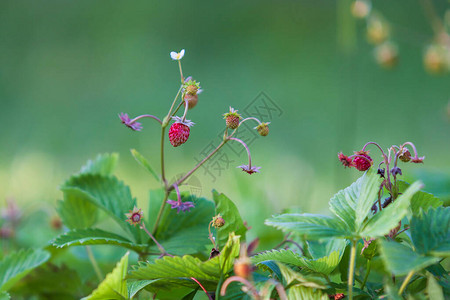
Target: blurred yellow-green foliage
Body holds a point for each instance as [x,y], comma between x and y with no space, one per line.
[67,68]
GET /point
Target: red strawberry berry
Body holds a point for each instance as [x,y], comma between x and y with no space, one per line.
[363,161]
[179,131]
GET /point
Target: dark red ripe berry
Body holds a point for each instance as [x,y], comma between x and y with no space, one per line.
[363,161]
[178,134]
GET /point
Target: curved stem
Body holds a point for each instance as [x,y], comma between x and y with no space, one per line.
[373,143]
[246,148]
[241,280]
[405,282]
[209,297]
[351,270]
[97,270]
[146,116]
[250,118]
[281,291]
[367,274]
[413,147]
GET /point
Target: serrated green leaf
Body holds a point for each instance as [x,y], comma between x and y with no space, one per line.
[300,292]
[76,212]
[310,226]
[144,163]
[16,265]
[382,222]
[353,204]
[185,232]
[103,164]
[324,265]
[430,232]
[135,286]
[434,290]
[400,259]
[290,276]
[323,248]
[170,272]
[114,286]
[83,237]
[420,200]
[107,193]
[233,221]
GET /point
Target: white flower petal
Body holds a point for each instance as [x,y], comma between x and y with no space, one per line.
[174,55]
[181,54]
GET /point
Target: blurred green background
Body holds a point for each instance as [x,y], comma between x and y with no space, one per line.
[67,68]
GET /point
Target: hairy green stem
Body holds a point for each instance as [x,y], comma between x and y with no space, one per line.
[351,270]
[367,274]
[97,270]
[405,282]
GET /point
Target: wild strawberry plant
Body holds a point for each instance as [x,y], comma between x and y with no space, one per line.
[385,238]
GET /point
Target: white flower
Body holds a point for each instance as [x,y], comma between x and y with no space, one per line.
[177,56]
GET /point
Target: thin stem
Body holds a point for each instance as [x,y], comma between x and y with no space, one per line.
[186,176]
[181,71]
[209,297]
[246,148]
[250,118]
[178,107]
[405,282]
[211,237]
[97,270]
[372,143]
[160,247]
[174,101]
[146,116]
[351,270]
[161,210]
[367,274]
